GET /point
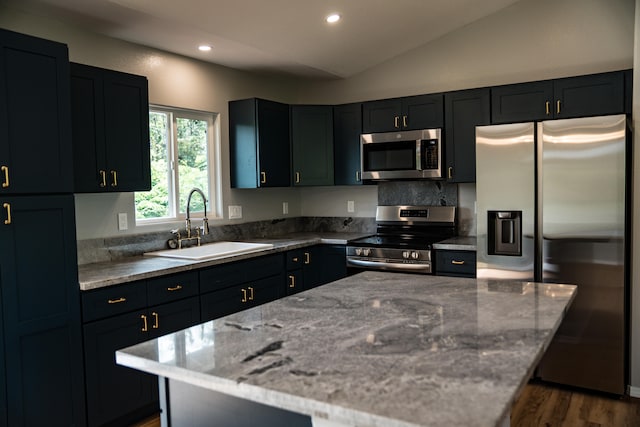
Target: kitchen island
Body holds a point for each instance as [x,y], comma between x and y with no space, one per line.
[374,349]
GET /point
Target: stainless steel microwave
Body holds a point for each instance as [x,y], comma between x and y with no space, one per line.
[413,154]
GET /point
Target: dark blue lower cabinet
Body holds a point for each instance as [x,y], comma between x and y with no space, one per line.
[43,379]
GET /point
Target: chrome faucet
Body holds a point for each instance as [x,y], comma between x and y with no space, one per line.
[205,221]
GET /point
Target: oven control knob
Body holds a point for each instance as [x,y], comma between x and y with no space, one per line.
[415,255]
[366,251]
[405,254]
[358,251]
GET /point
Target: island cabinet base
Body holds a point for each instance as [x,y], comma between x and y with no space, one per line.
[188,405]
[184,404]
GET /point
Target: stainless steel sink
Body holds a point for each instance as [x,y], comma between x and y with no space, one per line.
[212,250]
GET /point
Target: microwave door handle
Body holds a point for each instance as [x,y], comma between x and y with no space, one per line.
[418,155]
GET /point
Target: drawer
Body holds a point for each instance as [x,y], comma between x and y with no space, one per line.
[113,300]
[294,259]
[456,263]
[172,288]
[235,273]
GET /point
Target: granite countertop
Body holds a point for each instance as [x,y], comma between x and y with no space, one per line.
[102,274]
[374,349]
[459,243]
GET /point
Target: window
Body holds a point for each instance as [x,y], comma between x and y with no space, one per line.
[184,150]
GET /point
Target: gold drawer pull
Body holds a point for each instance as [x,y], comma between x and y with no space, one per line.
[7,206]
[244,295]
[145,327]
[297,177]
[396,122]
[175,288]
[558,106]
[547,107]
[156,320]
[5,169]
[292,281]
[103,178]
[117,301]
[404,121]
[307,258]
[263,177]
[114,178]
[250,293]
[454,262]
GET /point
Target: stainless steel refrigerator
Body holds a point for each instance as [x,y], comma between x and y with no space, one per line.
[551,206]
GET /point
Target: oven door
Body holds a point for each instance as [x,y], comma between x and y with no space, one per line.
[401,260]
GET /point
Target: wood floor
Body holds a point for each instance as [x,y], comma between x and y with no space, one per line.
[541,405]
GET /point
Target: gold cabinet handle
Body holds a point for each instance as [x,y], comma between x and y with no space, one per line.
[175,288]
[144,323]
[263,177]
[454,262]
[396,122]
[103,178]
[156,320]
[547,107]
[307,258]
[297,177]
[244,295]
[117,301]
[251,293]
[114,178]
[404,121]
[357,176]
[7,207]
[292,281]
[5,169]
[294,259]
[558,106]
[450,172]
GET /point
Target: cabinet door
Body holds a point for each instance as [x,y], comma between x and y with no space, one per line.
[591,95]
[522,102]
[116,393]
[41,311]
[464,110]
[167,318]
[259,145]
[240,297]
[422,112]
[347,127]
[35,124]
[126,101]
[312,144]
[335,262]
[312,259]
[273,144]
[87,112]
[381,116]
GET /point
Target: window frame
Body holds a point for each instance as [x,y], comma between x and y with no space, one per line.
[214,175]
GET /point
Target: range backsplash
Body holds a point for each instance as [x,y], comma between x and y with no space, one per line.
[429,193]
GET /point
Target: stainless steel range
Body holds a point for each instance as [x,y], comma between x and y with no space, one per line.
[404,238]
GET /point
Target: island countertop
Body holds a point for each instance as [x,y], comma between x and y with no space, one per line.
[374,349]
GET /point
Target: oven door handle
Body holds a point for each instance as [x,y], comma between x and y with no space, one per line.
[387,265]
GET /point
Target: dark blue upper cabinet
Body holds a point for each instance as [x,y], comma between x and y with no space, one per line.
[259,143]
[464,110]
[347,127]
[582,96]
[110,118]
[408,113]
[35,131]
[312,144]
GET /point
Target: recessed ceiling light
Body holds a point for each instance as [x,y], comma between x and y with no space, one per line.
[204,48]
[333,18]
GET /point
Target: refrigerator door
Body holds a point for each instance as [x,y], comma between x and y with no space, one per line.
[582,190]
[505,190]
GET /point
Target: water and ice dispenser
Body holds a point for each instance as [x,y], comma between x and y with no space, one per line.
[504,233]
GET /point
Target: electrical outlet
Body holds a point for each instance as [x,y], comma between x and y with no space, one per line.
[122,221]
[351,206]
[285,208]
[235,212]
